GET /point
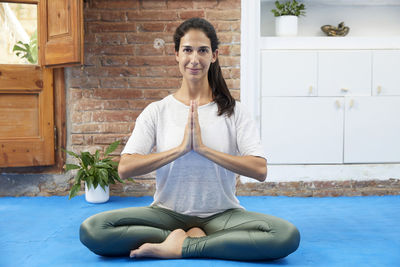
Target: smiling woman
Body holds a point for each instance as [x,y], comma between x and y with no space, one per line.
[195,212]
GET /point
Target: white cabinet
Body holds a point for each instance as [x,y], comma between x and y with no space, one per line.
[302,130]
[372,129]
[341,121]
[344,73]
[294,73]
[386,73]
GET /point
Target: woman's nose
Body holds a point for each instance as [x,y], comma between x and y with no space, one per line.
[194,59]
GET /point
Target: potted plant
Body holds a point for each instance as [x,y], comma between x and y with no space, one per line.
[97,171]
[286,17]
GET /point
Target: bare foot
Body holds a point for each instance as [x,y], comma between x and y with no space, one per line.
[195,232]
[171,248]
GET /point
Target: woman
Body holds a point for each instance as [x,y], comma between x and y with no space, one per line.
[203,137]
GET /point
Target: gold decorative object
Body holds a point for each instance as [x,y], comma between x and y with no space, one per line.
[340,30]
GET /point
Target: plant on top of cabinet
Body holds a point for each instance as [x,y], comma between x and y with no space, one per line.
[286,17]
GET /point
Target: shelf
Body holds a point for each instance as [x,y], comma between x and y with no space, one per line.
[300,42]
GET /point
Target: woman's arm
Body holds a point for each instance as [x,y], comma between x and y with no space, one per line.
[132,165]
[250,166]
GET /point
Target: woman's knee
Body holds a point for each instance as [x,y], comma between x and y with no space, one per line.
[90,234]
[288,239]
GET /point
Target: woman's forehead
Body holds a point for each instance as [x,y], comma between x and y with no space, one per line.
[195,38]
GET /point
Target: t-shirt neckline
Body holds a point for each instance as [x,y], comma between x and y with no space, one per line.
[182,104]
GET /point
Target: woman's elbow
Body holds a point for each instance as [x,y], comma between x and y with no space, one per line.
[263,172]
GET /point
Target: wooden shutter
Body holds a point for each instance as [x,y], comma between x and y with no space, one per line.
[61,32]
[26,116]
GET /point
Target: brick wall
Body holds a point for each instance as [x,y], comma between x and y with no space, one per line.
[130,62]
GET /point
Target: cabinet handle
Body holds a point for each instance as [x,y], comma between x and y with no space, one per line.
[338,103]
[345,90]
[310,90]
[379,89]
[351,104]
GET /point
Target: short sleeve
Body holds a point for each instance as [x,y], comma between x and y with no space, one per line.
[143,136]
[247,133]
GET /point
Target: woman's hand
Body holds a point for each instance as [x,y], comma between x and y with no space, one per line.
[192,137]
[197,142]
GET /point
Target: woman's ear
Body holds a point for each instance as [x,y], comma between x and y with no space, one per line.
[177,56]
[215,56]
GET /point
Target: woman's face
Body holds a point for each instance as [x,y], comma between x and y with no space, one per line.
[195,55]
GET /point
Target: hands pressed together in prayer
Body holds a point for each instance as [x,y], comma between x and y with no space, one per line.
[192,137]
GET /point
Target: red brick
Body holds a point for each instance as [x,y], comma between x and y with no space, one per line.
[171,27]
[151,15]
[114,116]
[112,27]
[232,14]
[111,50]
[179,4]
[153,4]
[107,138]
[235,73]
[139,104]
[229,61]
[170,49]
[205,4]
[81,139]
[152,61]
[116,104]
[114,82]
[117,127]
[74,94]
[120,71]
[235,50]
[81,117]
[159,71]
[151,26]
[224,50]
[233,83]
[91,15]
[235,94]
[229,37]
[226,26]
[114,4]
[148,37]
[84,82]
[139,82]
[157,94]
[86,128]
[90,60]
[85,104]
[116,93]
[113,15]
[191,14]
[228,4]
[111,38]
[113,61]
[148,50]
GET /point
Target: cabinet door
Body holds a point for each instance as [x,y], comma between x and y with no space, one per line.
[302,130]
[288,73]
[344,73]
[372,130]
[386,73]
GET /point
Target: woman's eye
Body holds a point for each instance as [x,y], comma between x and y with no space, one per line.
[187,50]
[203,50]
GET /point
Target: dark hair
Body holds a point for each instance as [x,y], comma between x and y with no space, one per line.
[220,91]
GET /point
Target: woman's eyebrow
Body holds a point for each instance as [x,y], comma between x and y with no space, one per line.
[189,46]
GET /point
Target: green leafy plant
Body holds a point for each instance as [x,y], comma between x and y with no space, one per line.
[27,50]
[94,169]
[290,8]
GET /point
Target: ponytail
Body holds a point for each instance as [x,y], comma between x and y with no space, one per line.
[221,95]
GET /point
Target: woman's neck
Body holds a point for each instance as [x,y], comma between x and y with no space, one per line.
[200,91]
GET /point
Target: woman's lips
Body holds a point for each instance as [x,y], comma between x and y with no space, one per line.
[194,71]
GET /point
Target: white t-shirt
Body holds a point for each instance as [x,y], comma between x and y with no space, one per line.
[192,184]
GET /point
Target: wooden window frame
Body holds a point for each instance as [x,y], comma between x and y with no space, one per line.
[59,118]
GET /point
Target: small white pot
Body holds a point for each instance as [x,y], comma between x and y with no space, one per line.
[286,25]
[97,195]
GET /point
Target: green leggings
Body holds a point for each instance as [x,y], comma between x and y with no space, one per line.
[234,234]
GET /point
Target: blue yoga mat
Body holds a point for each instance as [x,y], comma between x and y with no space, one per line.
[343,231]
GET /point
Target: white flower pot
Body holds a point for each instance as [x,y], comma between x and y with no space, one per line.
[286,25]
[97,195]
